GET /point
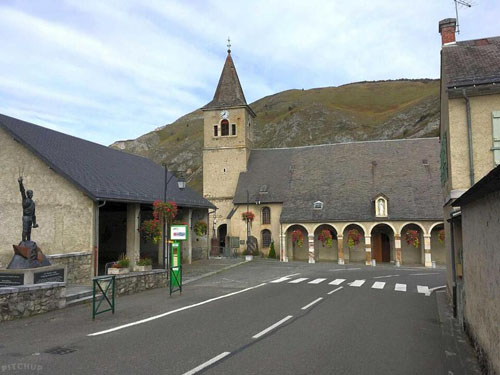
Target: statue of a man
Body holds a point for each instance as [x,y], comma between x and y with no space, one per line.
[29,218]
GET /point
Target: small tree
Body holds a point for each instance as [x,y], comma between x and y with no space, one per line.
[272,251]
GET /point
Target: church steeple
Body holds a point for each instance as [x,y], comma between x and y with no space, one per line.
[229,92]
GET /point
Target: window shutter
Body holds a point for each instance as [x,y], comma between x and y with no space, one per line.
[496,136]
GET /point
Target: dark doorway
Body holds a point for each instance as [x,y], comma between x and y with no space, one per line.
[112,233]
[386,248]
[221,236]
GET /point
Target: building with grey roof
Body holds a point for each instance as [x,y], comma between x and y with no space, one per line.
[346,202]
[90,199]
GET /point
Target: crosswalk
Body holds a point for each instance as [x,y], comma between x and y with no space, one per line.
[379,285]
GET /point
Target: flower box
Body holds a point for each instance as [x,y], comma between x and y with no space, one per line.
[143,268]
[117,271]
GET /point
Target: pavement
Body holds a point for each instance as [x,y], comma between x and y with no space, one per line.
[255,318]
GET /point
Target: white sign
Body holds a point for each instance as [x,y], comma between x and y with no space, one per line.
[178,232]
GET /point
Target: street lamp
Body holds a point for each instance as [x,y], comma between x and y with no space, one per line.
[181,184]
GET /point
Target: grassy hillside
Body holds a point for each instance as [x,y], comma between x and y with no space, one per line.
[358,111]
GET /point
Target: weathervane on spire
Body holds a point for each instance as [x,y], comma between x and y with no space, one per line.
[228,45]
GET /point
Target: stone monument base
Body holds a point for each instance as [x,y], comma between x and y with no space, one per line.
[27,276]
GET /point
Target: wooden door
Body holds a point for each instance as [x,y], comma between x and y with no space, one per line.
[377,247]
[386,248]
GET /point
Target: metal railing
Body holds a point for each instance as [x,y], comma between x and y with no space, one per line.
[106,285]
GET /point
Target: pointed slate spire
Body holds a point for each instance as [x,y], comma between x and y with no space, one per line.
[229,92]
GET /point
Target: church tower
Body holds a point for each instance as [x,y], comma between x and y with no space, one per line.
[227,142]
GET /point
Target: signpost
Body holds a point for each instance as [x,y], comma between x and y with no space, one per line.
[178,233]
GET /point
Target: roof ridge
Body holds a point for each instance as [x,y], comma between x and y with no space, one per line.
[346,143]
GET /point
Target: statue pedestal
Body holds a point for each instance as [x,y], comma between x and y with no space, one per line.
[27,276]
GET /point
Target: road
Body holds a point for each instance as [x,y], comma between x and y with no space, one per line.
[259,318]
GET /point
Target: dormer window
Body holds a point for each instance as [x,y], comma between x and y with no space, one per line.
[381,206]
[263,189]
[318,205]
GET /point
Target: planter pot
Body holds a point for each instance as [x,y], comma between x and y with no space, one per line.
[248,257]
[142,268]
[117,271]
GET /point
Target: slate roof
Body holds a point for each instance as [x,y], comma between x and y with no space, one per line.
[101,172]
[346,177]
[488,184]
[472,62]
[229,92]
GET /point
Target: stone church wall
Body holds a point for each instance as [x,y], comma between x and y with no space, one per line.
[64,213]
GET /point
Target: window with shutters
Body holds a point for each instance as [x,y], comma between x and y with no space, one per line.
[224,128]
[496,136]
[266,215]
[266,238]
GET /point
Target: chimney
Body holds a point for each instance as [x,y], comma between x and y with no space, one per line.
[447,29]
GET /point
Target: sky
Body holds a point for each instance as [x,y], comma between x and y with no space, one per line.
[108,70]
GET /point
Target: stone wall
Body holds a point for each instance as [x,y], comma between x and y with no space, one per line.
[78,266]
[139,281]
[21,302]
[481,281]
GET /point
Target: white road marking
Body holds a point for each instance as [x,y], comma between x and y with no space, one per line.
[423,274]
[400,287]
[316,281]
[281,279]
[335,290]
[423,289]
[436,288]
[207,363]
[293,274]
[337,282]
[346,269]
[299,280]
[357,283]
[312,303]
[261,333]
[378,285]
[173,311]
[383,277]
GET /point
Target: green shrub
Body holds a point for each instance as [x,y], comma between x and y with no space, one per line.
[272,251]
[145,262]
[123,262]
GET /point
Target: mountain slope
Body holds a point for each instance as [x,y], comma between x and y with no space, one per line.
[358,111]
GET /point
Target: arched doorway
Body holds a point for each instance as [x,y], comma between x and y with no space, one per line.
[438,251]
[325,248]
[412,244]
[298,249]
[382,243]
[354,244]
[221,237]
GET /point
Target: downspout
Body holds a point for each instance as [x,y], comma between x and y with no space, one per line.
[453,266]
[96,237]
[469,136]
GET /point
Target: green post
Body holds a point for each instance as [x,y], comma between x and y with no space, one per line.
[177,233]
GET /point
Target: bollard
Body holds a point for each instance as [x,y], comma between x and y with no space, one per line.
[398,264]
[433,264]
[374,262]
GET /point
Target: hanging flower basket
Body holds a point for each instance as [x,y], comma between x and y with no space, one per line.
[353,237]
[326,238]
[298,237]
[151,230]
[248,216]
[441,236]
[412,238]
[200,228]
[164,209]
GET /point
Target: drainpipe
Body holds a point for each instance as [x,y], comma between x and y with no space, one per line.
[453,267]
[96,237]
[469,135]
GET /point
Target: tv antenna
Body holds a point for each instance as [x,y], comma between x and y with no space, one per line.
[461,3]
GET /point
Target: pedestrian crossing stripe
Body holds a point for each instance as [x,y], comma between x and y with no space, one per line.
[421,289]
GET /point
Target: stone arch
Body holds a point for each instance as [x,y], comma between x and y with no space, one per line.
[383,248]
[409,253]
[414,223]
[323,252]
[357,252]
[385,223]
[438,249]
[295,251]
[354,223]
[435,225]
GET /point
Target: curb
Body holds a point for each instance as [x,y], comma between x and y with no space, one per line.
[214,272]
